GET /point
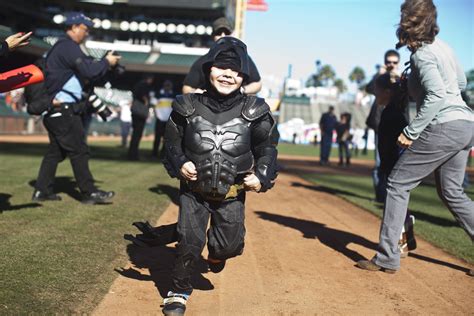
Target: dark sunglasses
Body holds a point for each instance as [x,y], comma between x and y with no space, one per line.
[388,62]
[222,30]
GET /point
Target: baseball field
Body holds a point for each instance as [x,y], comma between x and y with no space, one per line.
[303,239]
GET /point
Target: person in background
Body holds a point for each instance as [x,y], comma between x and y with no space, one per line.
[437,140]
[327,124]
[162,113]
[391,64]
[125,121]
[195,81]
[343,139]
[392,122]
[140,109]
[67,67]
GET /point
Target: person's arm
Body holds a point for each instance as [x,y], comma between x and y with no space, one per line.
[174,154]
[251,88]
[188,89]
[13,42]
[254,84]
[264,152]
[86,67]
[462,81]
[435,93]
[194,79]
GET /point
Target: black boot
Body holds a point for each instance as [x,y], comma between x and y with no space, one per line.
[39,196]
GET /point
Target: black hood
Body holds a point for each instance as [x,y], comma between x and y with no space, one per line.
[228,51]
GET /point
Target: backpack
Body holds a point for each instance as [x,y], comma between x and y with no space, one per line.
[36,96]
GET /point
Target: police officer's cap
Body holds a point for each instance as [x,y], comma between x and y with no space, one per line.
[78,18]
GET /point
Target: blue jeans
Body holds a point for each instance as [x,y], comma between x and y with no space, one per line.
[444,149]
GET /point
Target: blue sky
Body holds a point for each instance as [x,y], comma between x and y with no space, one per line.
[344,34]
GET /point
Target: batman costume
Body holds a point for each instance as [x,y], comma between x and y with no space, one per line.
[226,137]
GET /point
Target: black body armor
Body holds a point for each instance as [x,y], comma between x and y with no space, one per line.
[220,144]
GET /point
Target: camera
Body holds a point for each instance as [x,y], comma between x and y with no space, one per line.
[117,70]
[99,107]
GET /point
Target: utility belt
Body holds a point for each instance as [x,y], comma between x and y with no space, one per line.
[68,108]
[233,192]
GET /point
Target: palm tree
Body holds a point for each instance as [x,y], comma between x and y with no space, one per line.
[326,74]
[340,85]
[357,75]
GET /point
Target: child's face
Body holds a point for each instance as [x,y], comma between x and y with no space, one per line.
[225,81]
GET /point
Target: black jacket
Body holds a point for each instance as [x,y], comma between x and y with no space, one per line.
[392,123]
[3,49]
[66,59]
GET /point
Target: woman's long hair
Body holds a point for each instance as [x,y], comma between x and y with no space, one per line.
[417,24]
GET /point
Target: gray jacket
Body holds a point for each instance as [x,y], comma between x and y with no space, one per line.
[435,82]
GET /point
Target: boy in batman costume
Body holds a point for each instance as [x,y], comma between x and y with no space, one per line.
[219,145]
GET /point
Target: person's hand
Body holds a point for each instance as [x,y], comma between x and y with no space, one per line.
[382,69]
[112,59]
[199,91]
[18,40]
[252,183]
[188,171]
[404,141]
[56,103]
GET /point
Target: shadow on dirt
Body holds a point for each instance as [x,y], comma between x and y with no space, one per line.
[159,262]
[333,238]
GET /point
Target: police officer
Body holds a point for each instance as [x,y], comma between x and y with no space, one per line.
[66,69]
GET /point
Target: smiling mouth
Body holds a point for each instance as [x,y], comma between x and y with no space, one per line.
[225,82]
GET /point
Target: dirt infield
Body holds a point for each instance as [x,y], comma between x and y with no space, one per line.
[301,247]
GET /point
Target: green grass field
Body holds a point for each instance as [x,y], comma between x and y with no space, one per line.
[311,150]
[59,257]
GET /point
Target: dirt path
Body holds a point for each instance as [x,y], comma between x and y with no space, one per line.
[299,257]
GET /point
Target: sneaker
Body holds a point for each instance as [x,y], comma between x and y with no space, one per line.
[39,196]
[175,304]
[215,265]
[97,197]
[403,251]
[410,233]
[372,266]
[407,240]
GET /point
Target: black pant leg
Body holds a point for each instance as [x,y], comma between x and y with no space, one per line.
[192,224]
[227,232]
[138,126]
[47,171]
[78,151]
[68,132]
[160,127]
[70,136]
